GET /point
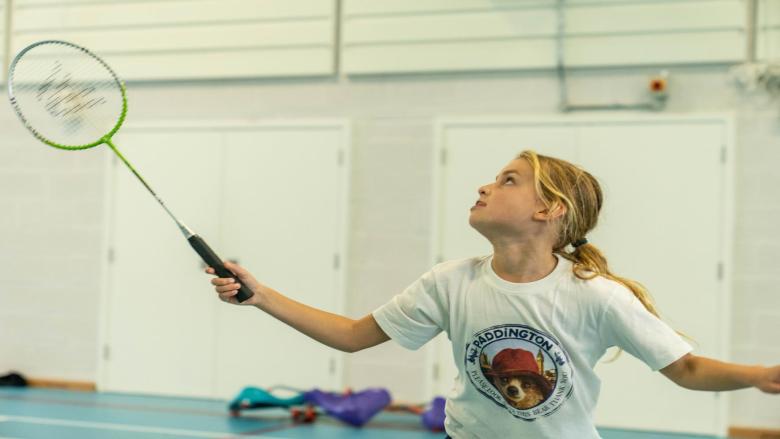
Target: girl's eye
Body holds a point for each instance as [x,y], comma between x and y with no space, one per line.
[509,180]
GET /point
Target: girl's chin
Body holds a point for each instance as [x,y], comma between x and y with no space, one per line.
[479,226]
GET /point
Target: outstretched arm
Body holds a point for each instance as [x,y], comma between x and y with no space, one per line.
[702,373]
[333,330]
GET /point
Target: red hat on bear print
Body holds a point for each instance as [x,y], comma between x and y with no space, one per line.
[518,362]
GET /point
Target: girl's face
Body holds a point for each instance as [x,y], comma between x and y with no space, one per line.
[509,207]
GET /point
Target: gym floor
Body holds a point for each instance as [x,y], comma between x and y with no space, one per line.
[29,413]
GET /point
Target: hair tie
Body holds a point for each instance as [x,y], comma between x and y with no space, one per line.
[579,242]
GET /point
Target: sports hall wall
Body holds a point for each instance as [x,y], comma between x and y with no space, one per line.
[391,73]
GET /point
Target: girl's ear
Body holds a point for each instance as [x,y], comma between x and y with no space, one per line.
[555,211]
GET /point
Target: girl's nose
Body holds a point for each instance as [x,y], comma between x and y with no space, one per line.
[482,190]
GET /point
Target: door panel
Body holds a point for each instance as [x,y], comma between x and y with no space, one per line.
[282,221]
[272,197]
[161,307]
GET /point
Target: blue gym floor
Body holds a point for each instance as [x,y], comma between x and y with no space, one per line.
[60,414]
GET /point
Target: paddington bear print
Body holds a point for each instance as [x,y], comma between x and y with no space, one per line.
[522,369]
[519,377]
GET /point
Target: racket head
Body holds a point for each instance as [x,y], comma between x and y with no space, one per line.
[65,95]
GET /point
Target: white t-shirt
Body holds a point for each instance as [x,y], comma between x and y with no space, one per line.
[525,351]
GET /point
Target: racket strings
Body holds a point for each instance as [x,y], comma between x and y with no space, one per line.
[65,95]
[76,98]
[63,98]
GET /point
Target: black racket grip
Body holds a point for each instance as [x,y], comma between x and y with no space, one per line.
[214,261]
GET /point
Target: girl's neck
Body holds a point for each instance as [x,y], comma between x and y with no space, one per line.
[522,262]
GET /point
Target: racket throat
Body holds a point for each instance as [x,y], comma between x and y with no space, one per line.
[186,231]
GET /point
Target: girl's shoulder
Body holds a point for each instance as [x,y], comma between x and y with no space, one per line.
[460,266]
[598,287]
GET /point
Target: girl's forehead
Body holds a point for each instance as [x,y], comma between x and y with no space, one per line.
[518,165]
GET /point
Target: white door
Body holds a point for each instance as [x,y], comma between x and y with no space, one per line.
[283,214]
[160,306]
[662,224]
[271,197]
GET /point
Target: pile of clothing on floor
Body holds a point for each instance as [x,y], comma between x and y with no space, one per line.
[353,408]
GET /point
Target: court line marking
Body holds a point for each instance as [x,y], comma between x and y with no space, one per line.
[119,427]
[111,405]
[5,419]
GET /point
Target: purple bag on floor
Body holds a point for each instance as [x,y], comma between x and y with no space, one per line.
[355,409]
[433,418]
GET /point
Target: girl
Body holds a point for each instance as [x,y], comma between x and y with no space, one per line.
[527,323]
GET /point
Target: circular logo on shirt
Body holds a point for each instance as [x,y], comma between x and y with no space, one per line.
[521,369]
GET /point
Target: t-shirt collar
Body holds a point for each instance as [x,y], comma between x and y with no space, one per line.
[544,284]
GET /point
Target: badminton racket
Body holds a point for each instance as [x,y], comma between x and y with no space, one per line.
[69,98]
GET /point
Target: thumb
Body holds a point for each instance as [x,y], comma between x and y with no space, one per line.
[235,268]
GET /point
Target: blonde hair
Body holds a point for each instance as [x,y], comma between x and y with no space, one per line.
[560,184]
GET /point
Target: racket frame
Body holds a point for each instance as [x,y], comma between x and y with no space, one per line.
[106,137]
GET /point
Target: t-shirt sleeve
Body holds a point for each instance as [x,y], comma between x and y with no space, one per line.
[627,324]
[415,316]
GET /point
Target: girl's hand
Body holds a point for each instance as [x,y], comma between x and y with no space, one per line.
[227,288]
[769,380]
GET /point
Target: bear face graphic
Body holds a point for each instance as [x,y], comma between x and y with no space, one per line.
[516,375]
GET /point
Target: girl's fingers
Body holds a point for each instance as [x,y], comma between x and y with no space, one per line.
[229,287]
[226,287]
[218,281]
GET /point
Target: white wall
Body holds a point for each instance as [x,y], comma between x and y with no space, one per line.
[435,35]
[768,26]
[186,39]
[50,240]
